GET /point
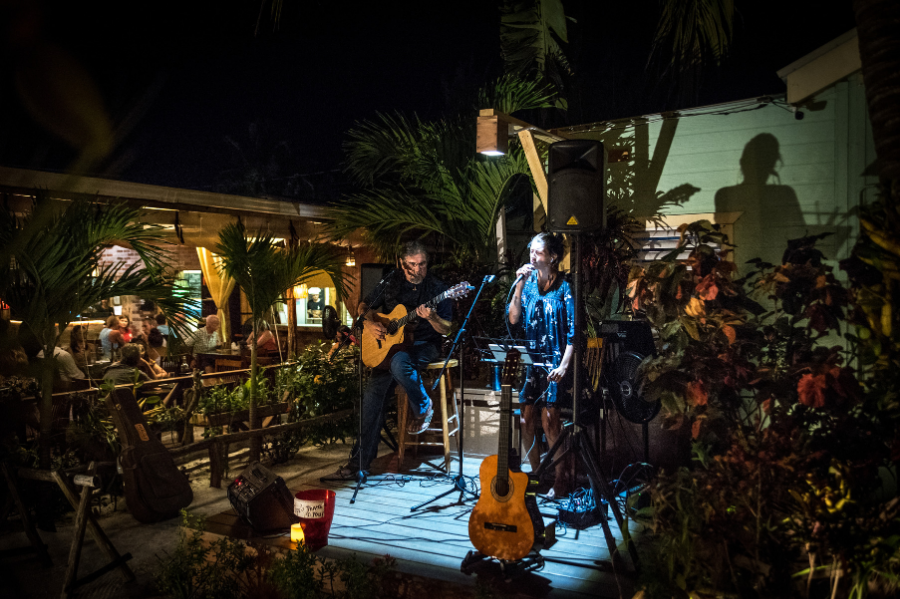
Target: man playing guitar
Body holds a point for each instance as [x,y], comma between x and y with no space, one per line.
[406,365]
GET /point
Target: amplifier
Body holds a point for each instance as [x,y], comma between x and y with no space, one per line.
[262,500]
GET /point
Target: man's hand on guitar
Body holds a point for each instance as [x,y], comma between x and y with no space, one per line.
[376,329]
[425,312]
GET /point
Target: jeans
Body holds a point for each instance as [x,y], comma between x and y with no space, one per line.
[405,370]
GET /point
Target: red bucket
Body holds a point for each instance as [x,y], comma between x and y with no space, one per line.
[315,508]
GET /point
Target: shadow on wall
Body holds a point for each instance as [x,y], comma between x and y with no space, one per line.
[770,212]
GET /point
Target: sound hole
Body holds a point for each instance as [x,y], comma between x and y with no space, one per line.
[501,488]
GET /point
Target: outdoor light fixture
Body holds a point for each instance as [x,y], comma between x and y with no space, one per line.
[494,128]
[351,259]
[301,291]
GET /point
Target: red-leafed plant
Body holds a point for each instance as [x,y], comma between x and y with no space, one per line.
[793,434]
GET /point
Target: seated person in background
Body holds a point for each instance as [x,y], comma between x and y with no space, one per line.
[125,328]
[161,324]
[65,365]
[315,304]
[111,337]
[122,372]
[266,341]
[204,340]
[78,347]
[149,358]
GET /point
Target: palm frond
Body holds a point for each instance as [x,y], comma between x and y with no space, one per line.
[511,93]
[693,32]
[529,30]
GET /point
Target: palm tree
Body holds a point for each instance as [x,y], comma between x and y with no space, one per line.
[423,180]
[264,271]
[690,35]
[530,34]
[50,273]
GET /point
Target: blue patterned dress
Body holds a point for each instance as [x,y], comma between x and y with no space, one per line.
[549,327]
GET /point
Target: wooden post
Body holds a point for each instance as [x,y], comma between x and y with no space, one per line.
[84,505]
[291,323]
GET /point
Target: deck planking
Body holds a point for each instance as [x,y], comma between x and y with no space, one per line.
[433,541]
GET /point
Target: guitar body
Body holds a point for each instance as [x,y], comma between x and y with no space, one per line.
[377,353]
[505,527]
[505,523]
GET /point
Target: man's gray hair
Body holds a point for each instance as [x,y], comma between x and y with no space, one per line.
[412,248]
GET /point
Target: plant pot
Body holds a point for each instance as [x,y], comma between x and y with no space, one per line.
[226,418]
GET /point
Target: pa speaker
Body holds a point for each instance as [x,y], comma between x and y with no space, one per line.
[262,500]
[575,201]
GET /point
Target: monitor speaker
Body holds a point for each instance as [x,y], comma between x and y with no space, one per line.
[575,201]
[262,500]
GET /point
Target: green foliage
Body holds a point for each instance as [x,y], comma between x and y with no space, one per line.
[694,32]
[197,569]
[222,399]
[530,34]
[316,387]
[790,439]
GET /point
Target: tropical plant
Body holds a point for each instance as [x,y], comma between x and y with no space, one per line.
[318,386]
[788,438]
[264,271]
[423,180]
[690,35]
[50,272]
[530,34]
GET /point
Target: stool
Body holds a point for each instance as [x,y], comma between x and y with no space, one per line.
[417,440]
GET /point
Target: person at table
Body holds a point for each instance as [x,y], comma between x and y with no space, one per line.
[124,371]
[412,290]
[314,305]
[125,328]
[202,341]
[266,341]
[78,347]
[543,299]
[67,370]
[111,337]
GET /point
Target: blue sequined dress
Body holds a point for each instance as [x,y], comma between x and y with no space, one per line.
[549,327]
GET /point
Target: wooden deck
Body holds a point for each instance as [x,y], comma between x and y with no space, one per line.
[432,542]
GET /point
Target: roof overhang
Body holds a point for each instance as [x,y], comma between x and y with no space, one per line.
[822,68]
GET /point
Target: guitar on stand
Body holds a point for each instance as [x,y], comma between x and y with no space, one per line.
[505,523]
[377,353]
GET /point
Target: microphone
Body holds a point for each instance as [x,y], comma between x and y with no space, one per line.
[489,278]
[520,277]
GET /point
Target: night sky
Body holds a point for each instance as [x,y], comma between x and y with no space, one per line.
[188,75]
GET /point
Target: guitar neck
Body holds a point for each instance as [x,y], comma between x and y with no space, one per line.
[505,414]
[432,303]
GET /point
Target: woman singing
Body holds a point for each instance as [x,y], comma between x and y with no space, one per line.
[549,313]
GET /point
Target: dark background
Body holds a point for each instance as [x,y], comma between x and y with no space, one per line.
[178,79]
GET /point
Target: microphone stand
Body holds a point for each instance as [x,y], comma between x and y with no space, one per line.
[459,481]
[361,476]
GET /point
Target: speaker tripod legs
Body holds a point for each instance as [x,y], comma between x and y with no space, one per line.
[580,444]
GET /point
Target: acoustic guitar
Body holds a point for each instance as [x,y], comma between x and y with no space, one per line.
[506,523]
[377,353]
